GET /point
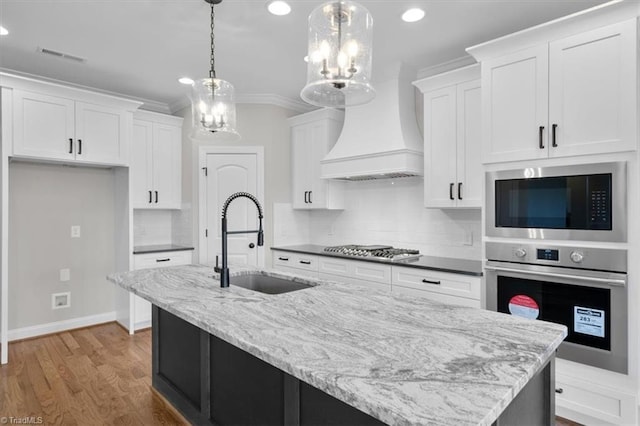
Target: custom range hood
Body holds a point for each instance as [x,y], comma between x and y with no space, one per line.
[380,139]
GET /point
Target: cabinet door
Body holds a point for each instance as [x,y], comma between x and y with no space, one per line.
[592,93]
[515,105]
[167,166]
[301,153]
[101,134]
[43,126]
[440,147]
[140,169]
[469,145]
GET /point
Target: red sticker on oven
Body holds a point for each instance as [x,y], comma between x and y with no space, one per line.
[524,306]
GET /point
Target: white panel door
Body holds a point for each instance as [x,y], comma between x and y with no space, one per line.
[592,100]
[440,147]
[100,134]
[227,174]
[43,126]
[167,166]
[469,145]
[515,105]
[140,168]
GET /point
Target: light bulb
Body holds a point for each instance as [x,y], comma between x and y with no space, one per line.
[316,57]
[352,48]
[325,49]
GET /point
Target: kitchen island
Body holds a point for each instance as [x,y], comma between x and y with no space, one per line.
[334,354]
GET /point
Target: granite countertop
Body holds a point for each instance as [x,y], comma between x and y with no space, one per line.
[442,264]
[157,248]
[403,360]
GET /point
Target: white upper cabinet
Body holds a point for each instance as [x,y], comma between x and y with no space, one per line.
[48,127]
[312,136]
[156,165]
[571,96]
[452,119]
[592,91]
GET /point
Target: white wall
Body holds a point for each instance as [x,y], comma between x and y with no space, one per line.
[44,202]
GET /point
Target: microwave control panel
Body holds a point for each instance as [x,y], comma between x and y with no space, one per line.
[599,206]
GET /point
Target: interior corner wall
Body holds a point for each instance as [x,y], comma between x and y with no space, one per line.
[44,202]
[258,125]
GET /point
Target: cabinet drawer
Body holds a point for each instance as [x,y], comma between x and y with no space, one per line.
[161,259]
[354,281]
[593,400]
[363,271]
[295,260]
[437,282]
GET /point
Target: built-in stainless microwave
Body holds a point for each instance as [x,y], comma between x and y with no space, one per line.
[579,202]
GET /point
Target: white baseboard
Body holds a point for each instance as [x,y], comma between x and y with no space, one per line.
[55,327]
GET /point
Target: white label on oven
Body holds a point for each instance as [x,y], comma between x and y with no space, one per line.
[588,321]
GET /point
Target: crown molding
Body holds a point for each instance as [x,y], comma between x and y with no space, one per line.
[451,65]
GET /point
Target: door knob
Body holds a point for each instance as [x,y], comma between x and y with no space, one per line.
[251,245]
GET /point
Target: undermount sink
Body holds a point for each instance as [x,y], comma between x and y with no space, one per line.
[267,284]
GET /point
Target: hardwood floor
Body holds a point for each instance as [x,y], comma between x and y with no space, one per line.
[90,376]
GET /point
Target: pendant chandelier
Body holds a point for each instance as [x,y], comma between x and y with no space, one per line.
[213,99]
[339,61]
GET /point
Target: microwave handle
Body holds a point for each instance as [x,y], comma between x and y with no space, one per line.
[612,282]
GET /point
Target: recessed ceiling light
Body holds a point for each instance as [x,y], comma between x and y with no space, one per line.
[413,15]
[4,31]
[185,80]
[279,7]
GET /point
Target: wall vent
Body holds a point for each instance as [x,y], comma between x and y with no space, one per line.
[61,55]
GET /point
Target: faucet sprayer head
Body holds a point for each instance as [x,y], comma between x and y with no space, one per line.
[260,235]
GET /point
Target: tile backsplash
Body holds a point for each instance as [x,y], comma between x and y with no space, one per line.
[392,212]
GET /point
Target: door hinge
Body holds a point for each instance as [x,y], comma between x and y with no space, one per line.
[206,233]
[206,171]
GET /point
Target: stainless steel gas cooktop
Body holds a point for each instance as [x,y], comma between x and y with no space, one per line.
[374,252]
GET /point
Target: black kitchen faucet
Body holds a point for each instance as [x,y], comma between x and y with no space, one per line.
[224,271]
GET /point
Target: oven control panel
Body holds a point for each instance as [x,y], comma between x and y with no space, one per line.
[541,253]
[547,254]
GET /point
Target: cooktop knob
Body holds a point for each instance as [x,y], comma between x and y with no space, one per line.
[520,252]
[577,256]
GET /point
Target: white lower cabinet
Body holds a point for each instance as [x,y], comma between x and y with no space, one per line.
[455,289]
[296,263]
[592,403]
[140,309]
[355,272]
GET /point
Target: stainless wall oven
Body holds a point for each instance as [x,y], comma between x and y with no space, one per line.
[582,202]
[583,288]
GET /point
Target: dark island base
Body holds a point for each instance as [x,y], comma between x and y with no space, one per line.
[212,382]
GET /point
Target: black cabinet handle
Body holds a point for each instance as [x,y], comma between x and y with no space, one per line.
[156,197]
[305,197]
[163,260]
[310,200]
[451,191]
[541,137]
[70,146]
[150,197]
[305,262]
[459,190]
[426,281]
[284,259]
[553,135]
[79,146]
[559,390]
[251,245]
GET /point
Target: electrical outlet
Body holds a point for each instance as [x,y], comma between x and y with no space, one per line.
[60,300]
[75,231]
[65,274]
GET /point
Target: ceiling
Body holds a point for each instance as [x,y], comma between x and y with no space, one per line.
[140,48]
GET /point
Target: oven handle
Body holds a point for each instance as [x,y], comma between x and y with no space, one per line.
[612,282]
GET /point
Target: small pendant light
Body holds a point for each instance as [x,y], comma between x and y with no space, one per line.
[213,100]
[339,65]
